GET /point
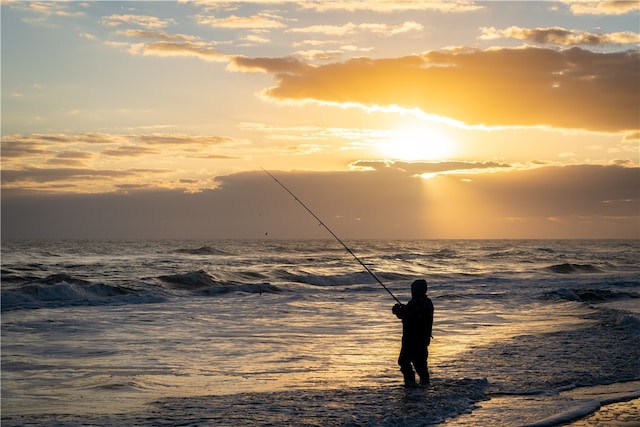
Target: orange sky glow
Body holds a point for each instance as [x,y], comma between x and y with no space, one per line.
[412,119]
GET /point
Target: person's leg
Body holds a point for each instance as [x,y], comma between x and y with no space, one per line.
[419,361]
[404,360]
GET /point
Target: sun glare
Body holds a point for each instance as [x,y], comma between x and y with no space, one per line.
[417,143]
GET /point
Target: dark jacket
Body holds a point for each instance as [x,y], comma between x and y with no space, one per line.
[417,320]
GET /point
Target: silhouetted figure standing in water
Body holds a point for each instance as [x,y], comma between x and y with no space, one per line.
[417,322]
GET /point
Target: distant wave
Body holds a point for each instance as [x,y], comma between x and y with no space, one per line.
[204,250]
[202,282]
[55,279]
[567,268]
[445,254]
[251,288]
[189,281]
[360,277]
[10,276]
[547,250]
[589,295]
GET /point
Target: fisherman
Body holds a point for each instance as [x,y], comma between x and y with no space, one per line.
[417,322]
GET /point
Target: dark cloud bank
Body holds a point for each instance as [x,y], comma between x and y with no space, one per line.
[550,202]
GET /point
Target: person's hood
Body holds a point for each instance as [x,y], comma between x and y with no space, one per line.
[418,288]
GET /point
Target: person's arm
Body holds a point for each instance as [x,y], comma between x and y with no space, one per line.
[400,310]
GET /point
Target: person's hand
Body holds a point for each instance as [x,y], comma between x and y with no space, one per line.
[396,308]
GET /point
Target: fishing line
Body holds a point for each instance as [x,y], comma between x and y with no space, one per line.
[333,234]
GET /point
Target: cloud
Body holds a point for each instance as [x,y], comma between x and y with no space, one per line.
[319,55]
[203,51]
[128,151]
[16,145]
[60,139]
[157,35]
[392,30]
[350,28]
[16,149]
[71,158]
[560,36]
[144,21]
[55,162]
[251,39]
[572,89]
[49,175]
[607,7]
[633,136]
[56,149]
[74,155]
[584,201]
[45,9]
[455,6]
[87,36]
[261,20]
[315,136]
[419,168]
[268,65]
[331,30]
[182,140]
[562,190]
[213,157]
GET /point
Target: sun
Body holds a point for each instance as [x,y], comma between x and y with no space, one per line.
[416,143]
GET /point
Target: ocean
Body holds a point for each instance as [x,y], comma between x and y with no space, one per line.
[269,332]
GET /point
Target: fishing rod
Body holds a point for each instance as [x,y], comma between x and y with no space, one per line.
[333,234]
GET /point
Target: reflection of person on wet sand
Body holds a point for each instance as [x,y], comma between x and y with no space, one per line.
[417,322]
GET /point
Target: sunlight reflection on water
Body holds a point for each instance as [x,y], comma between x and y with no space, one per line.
[131,354]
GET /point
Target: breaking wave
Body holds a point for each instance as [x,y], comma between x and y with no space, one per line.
[59,290]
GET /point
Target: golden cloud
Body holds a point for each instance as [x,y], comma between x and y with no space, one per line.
[350,28]
[419,168]
[560,36]
[181,139]
[199,50]
[268,65]
[145,21]
[454,6]
[47,175]
[633,136]
[262,20]
[607,7]
[59,162]
[141,34]
[319,55]
[128,151]
[572,89]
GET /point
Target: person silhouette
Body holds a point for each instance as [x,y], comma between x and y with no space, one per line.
[417,323]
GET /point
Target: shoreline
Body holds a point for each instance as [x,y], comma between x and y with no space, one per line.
[616,404]
[625,413]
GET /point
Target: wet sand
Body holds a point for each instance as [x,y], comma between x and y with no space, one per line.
[612,405]
[622,414]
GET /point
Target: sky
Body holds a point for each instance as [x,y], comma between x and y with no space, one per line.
[388,119]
